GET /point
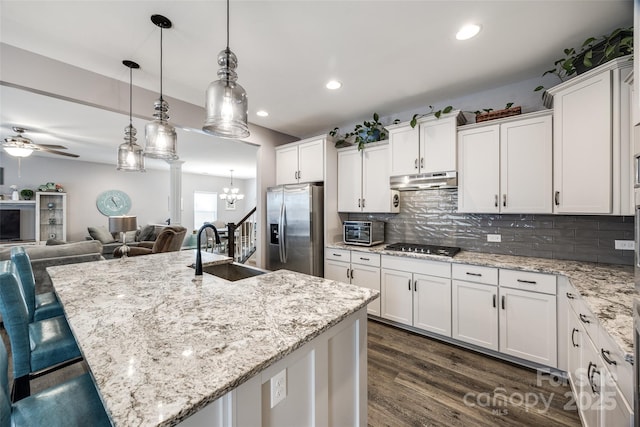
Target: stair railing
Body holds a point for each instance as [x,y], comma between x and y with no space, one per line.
[242,237]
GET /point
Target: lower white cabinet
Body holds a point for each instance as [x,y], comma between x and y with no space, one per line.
[355,267]
[417,293]
[475,317]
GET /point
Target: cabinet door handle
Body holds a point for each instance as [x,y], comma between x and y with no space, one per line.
[496,201]
[347,273]
[504,200]
[556,198]
[584,318]
[409,284]
[591,370]
[299,175]
[415,163]
[363,200]
[295,174]
[359,203]
[352,273]
[573,342]
[422,162]
[502,301]
[415,286]
[473,274]
[605,355]
[570,296]
[529,282]
[494,300]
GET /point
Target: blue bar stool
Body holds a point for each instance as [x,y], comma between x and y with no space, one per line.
[37,348]
[74,403]
[41,306]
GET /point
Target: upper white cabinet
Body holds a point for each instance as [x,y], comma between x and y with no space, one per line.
[591,155]
[506,166]
[301,161]
[363,179]
[429,147]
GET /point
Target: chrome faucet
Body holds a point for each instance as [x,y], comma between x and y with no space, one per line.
[199,249]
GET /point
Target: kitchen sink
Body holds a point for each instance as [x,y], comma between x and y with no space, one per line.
[232,271]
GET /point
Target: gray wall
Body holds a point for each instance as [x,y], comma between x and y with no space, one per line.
[431,217]
[149,191]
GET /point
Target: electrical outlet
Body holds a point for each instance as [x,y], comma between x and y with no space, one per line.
[494,237]
[627,245]
[278,387]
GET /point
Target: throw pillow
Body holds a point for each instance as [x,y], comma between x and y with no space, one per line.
[130,235]
[147,233]
[101,233]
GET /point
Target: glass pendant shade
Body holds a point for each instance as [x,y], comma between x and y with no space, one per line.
[161,137]
[130,154]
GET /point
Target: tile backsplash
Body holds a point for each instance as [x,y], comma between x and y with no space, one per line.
[431,217]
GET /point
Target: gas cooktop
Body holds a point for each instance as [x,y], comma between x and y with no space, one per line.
[423,249]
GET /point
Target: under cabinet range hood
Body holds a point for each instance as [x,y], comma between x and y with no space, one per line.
[424,181]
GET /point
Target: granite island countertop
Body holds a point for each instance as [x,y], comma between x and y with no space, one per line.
[608,289]
[161,344]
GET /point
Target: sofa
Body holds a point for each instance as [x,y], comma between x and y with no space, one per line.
[144,236]
[170,239]
[42,256]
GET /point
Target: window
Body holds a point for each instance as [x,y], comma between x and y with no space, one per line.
[205,207]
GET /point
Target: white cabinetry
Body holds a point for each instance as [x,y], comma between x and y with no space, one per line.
[591,119]
[355,267]
[506,166]
[600,377]
[51,216]
[363,179]
[429,147]
[417,293]
[301,161]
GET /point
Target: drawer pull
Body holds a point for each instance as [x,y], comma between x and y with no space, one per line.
[605,355]
[573,342]
[338,255]
[529,282]
[473,274]
[584,318]
[591,370]
[570,296]
[365,259]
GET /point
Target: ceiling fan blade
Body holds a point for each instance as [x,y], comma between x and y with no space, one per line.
[51,146]
[61,153]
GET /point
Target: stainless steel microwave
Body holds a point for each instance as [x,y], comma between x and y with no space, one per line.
[363,233]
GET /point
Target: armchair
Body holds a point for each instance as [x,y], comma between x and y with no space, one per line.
[170,239]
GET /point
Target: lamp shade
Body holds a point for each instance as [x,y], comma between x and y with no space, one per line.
[130,154]
[120,224]
[18,151]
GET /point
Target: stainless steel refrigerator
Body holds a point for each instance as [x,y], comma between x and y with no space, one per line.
[295,222]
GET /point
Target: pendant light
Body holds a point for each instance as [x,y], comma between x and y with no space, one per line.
[226,101]
[130,156]
[160,134]
[231,194]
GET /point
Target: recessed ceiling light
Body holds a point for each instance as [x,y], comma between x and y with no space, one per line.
[333,84]
[468,31]
[262,113]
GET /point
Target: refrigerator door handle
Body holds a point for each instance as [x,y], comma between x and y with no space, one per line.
[283,233]
[280,237]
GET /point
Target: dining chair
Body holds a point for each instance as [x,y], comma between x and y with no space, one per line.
[40,306]
[37,348]
[74,403]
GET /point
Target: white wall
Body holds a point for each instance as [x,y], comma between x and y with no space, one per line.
[149,191]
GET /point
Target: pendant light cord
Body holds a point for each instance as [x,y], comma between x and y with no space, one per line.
[227,28]
[130,106]
[161,64]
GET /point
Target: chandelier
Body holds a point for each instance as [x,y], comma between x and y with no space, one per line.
[231,194]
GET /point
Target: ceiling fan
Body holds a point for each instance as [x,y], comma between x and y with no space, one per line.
[20,146]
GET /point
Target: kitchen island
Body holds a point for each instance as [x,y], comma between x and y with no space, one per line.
[162,345]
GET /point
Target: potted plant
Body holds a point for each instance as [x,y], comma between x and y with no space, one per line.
[445,110]
[26,194]
[593,52]
[491,114]
[368,131]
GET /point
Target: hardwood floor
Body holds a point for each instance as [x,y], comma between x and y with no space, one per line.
[418,381]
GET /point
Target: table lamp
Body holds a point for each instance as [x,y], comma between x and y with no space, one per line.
[122,224]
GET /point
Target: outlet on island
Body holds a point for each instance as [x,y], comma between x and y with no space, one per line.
[494,238]
[278,387]
[627,245]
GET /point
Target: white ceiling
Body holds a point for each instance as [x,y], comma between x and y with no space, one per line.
[392,56]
